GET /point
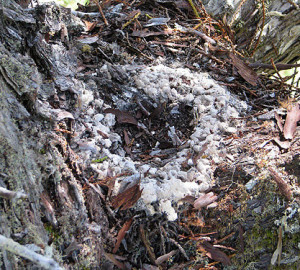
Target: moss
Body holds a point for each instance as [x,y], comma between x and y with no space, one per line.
[261,217]
[54,233]
[42,151]
[86,48]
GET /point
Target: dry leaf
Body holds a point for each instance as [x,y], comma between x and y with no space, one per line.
[127,146]
[111,257]
[290,125]
[277,253]
[284,187]
[89,39]
[109,181]
[24,3]
[122,117]
[104,135]
[127,198]
[147,244]
[215,254]
[205,200]
[126,137]
[244,70]
[194,218]
[122,233]
[90,25]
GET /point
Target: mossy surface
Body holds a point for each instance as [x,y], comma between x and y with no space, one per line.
[256,223]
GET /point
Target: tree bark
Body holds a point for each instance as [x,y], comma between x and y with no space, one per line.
[264,30]
[50,215]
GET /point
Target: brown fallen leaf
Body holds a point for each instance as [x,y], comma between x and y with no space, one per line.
[122,117]
[284,188]
[128,198]
[215,254]
[205,200]
[104,135]
[90,25]
[244,70]
[126,137]
[109,181]
[128,143]
[121,234]
[290,125]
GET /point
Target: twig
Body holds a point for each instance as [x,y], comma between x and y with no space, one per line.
[97,190]
[202,35]
[224,238]
[262,27]
[82,14]
[101,11]
[294,75]
[8,194]
[144,110]
[278,66]
[147,244]
[179,247]
[293,4]
[276,70]
[136,15]
[14,247]
[194,9]
[236,12]
[210,56]
[130,47]
[284,84]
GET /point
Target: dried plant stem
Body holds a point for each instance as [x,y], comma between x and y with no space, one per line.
[14,247]
[236,12]
[194,9]
[262,27]
[276,70]
[8,194]
[101,11]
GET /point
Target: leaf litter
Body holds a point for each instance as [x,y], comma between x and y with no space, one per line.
[167,120]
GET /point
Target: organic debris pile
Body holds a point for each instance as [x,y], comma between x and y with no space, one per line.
[164,137]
